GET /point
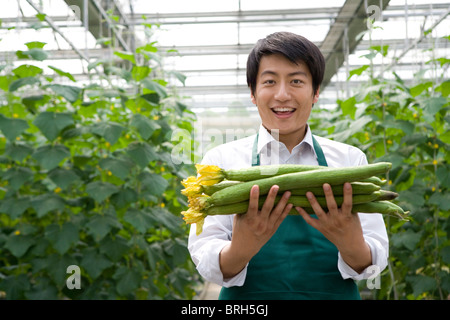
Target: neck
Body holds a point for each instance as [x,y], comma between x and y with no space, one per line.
[292,139]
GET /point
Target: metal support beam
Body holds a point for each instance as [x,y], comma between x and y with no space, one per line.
[353,18]
[101,25]
[55,28]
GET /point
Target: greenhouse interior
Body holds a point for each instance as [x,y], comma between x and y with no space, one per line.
[108,105]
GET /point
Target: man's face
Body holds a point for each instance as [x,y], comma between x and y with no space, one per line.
[284,95]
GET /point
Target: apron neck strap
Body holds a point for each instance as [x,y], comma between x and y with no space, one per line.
[317,148]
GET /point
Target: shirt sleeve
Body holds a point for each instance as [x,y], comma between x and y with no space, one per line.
[205,248]
[375,235]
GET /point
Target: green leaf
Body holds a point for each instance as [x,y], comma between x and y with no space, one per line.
[149,47]
[31,102]
[444,88]
[421,284]
[35,44]
[144,125]
[62,73]
[381,49]
[51,123]
[17,151]
[443,175]
[394,158]
[416,90]
[15,286]
[406,126]
[348,107]
[49,156]
[62,237]
[409,239]
[441,200]
[141,153]
[99,191]
[126,56]
[153,183]
[432,106]
[34,53]
[114,247]
[63,177]
[354,127]
[152,85]
[118,167]
[41,16]
[16,84]
[100,225]
[167,219]
[18,244]
[140,72]
[124,197]
[45,203]
[70,93]
[27,70]
[357,71]
[128,280]
[17,176]
[139,219]
[176,248]
[110,131]
[57,267]
[410,197]
[11,127]
[179,278]
[14,207]
[181,77]
[152,97]
[43,289]
[94,263]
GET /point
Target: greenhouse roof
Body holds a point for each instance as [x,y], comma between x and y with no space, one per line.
[208,41]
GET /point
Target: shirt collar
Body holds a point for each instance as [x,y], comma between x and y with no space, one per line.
[265,138]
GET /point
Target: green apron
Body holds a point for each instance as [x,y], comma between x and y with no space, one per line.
[297,263]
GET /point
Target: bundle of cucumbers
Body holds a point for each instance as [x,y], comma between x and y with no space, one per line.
[215,191]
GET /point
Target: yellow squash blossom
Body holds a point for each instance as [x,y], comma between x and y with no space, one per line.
[194,216]
[199,202]
[209,174]
[192,187]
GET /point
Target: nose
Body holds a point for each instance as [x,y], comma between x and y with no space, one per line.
[282,93]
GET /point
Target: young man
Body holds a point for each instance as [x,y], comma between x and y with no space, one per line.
[268,254]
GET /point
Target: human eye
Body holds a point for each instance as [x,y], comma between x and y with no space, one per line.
[297,81]
[269,81]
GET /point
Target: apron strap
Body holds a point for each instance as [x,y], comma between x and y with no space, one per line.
[317,148]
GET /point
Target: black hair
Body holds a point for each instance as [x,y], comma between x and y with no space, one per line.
[295,48]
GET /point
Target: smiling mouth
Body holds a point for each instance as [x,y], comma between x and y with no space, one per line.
[283,110]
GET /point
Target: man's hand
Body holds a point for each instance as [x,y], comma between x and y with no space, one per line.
[341,227]
[252,230]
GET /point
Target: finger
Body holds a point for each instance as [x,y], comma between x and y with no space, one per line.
[283,215]
[280,208]
[329,197]
[315,205]
[253,203]
[309,220]
[270,201]
[347,203]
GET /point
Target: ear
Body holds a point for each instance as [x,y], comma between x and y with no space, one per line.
[316,95]
[253,98]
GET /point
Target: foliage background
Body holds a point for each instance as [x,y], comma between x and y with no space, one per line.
[406,124]
[87,179]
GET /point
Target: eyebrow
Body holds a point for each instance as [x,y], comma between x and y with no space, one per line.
[296,73]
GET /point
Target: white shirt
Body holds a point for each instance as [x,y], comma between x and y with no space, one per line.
[205,248]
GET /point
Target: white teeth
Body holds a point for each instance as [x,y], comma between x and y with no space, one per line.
[283,109]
